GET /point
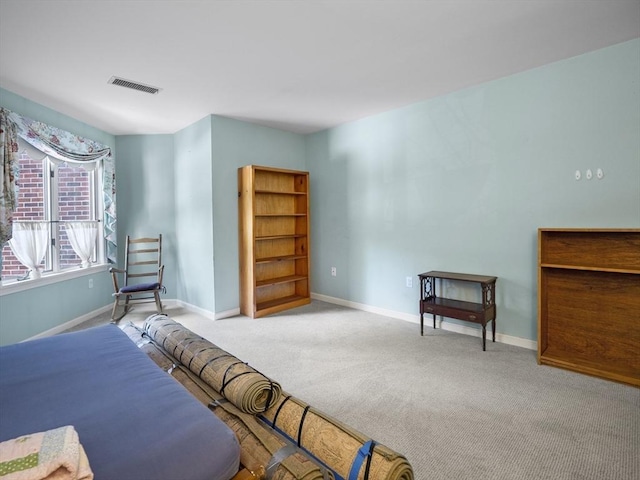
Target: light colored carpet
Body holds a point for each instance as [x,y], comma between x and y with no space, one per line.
[455,411]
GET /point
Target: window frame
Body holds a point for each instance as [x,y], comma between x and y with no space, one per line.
[53,269]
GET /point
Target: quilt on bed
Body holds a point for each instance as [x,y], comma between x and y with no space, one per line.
[133,420]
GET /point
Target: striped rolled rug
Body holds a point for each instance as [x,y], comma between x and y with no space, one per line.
[346,453]
[349,453]
[266,453]
[249,390]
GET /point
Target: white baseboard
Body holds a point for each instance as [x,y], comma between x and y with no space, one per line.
[228,313]
[451,327]
[166,302]
[367,308]
[71,323]
[207,313]
[407,317]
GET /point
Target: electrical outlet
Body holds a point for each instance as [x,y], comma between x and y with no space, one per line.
[409,282]
[334,272]
[91,283]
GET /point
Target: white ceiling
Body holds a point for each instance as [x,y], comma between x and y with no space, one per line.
[298,65]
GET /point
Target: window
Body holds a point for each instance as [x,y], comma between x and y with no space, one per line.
[51,193]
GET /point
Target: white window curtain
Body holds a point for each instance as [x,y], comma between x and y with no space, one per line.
[29,244]
[82,236]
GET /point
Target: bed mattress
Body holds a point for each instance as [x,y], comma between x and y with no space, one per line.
[133,420]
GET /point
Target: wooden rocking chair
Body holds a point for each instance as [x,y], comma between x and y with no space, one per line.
[143,258]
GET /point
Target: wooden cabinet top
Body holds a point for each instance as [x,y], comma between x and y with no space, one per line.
[274,169]
[595,230]
[613,250]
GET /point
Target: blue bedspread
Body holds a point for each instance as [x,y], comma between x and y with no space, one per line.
[134,421]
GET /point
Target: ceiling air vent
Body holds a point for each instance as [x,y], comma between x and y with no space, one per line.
[134,85]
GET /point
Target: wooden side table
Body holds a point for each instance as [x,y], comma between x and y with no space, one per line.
[481,313]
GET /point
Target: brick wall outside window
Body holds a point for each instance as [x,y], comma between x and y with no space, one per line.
[74,193]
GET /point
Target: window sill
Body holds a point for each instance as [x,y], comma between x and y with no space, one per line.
[18,286]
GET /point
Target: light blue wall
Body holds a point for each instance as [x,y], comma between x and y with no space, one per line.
[187,183]
[30,312]
[462,182]
[27,313]
[459,183]
[146,196]
[194,215]
[236,144]
[43,114]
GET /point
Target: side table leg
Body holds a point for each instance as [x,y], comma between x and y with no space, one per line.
[493,329]
[484,337]
[421,324]
[434,321]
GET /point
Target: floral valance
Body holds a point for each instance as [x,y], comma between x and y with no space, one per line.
[66,146]
[59,143]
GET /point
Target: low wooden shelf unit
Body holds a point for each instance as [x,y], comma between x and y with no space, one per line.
[589,301]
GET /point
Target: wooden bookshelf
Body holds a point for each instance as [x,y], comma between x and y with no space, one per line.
[273,213]
[589,301]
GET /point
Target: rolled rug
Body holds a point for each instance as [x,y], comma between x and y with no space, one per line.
[263,451]
[249,390]
[347,452]
[261,448]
